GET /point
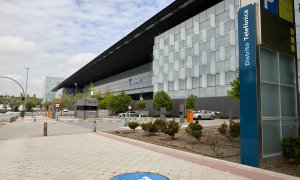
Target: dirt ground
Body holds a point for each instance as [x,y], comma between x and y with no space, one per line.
[211,144]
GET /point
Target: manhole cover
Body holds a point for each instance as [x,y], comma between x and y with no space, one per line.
[139,176]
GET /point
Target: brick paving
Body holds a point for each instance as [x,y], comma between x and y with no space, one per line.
[102,156]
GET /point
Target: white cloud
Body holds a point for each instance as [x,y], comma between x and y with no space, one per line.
[82,58]
[56,38]
[16,45]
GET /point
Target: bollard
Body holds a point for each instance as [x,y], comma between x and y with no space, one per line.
[34,119]
[45,129]
[94,127]
[125,121]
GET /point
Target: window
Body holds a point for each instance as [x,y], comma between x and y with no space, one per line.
[278,99]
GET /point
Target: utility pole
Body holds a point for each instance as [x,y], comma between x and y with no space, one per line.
[22,112]
[75,103]
[27,68]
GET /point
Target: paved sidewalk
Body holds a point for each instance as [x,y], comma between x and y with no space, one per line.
[102,156]
[26,154]
[27,128]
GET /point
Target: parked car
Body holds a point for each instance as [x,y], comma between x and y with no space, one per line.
[65,110]
[204,114]
[132,113]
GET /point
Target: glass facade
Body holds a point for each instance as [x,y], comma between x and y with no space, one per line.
[49,84]
[297,23]
[134,81]
[198,56]
[278,99]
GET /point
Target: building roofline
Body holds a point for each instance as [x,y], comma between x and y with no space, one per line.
[136,48]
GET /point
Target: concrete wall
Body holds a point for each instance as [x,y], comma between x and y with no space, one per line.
[223,104]
[133,81]
[86,114]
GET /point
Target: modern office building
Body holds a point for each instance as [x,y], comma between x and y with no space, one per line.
[49,84]
[190,47]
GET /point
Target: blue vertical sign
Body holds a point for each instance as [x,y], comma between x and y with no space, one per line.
[248,86]
[270,5]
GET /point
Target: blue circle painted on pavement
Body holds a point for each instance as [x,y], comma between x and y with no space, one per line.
[139,176]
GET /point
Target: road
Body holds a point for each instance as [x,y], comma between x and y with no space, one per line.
[101,125]
[5,117]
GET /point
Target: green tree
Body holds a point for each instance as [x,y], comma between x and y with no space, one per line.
[96,93]
[79,95]
[162,100]
[139,105]
[32,102]
[190,102]
[18,103]
[235,89]
[46,105]
[64,101]
[104,102]
[13,102]
[120,102]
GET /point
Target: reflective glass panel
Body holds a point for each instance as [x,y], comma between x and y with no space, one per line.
[287,69]
[271,137]
[269,100]
[269,65]
[288,102]
[289,128]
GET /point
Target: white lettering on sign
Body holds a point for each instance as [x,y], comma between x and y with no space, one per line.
[266,3]
[91,102]
[247,54]
[246,37]
[245,25]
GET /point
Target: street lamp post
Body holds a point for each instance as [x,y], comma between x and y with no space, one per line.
[74,96]
[22,90]
[27,68]
[75,88]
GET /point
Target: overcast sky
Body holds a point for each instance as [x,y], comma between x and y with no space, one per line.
[58,37]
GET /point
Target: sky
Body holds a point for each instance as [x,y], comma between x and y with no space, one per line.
[58,37]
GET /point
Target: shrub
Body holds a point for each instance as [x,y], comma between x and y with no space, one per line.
[230,132]
[195,130]
[133,125]
[149,128]
[291,149]
[214,146]
[3,110]
[171,128]
[234,129]
[224,117]
[160,124]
